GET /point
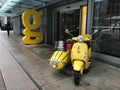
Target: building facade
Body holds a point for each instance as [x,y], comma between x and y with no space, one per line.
[83,16]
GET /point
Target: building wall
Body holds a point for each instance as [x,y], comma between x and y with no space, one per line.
[16,25]
[49,14]
[43,27]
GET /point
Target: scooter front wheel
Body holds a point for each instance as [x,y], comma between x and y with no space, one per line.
[77,77]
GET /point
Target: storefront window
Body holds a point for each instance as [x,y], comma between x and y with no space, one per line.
[69,20]
[107,19]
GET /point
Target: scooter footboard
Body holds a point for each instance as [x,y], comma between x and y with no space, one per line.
[78,66]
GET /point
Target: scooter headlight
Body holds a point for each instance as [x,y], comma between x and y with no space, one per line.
[54,64]
[80,38]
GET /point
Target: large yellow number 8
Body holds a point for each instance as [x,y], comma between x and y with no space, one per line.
[30,36]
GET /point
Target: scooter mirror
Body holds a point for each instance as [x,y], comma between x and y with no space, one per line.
[95,31]
[67,31]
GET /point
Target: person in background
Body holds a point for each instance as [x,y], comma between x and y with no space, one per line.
[0,24]
[8,27]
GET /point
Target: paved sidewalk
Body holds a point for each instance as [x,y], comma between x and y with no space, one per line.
[28,66]
[14,76]
[2,85]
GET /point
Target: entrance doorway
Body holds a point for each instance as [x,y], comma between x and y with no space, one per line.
[71,17]
[69,20]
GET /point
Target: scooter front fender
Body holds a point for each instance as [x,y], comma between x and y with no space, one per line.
[78,66]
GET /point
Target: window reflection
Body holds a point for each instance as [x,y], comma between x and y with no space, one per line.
[69,20]
[107,19]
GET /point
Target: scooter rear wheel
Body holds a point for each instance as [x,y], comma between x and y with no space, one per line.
[77,78]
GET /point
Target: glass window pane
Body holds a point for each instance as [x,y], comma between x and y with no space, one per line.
[107,19]
[69,20]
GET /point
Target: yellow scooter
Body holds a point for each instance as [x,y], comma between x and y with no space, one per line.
[80,55]
[61,56]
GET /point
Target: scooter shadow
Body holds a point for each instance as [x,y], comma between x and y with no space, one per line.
[67,70]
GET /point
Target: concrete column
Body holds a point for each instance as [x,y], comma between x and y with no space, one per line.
[16,25]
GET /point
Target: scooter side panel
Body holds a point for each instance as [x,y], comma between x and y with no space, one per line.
[53,55]
[61,58]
